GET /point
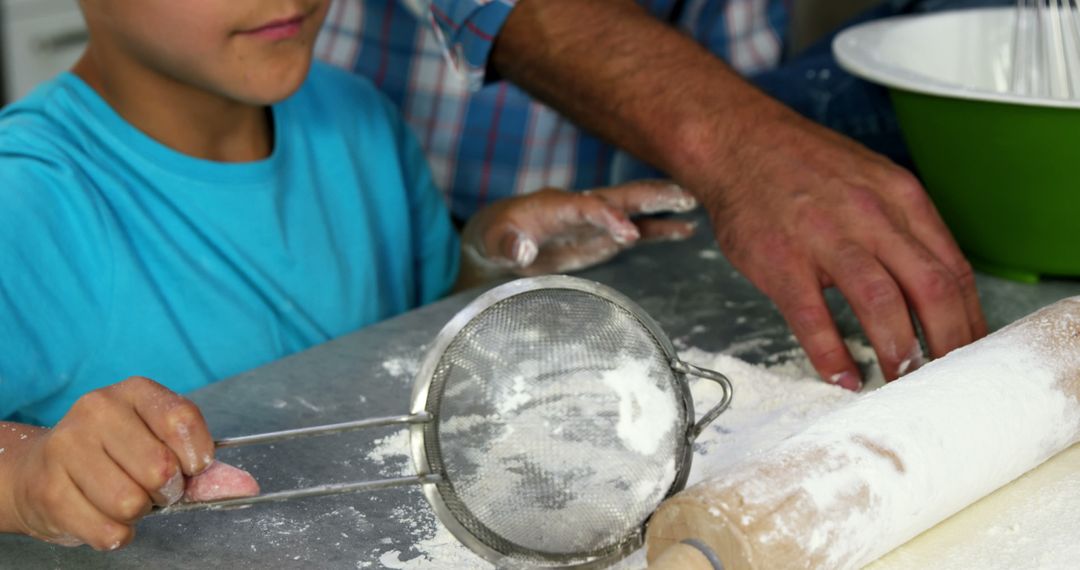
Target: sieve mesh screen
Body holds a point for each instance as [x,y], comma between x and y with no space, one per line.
[560,425]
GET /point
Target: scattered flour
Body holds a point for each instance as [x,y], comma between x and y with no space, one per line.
[402,366]
[436,550]
[771,402]
[774,400]
[393,449]
[309,405]
[640,431]
[537,449]
[941,436]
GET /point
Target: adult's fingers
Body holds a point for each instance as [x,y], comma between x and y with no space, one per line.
[878,303]
[174,420]
[927,226]
[800,300]
[932,289]
[644,197]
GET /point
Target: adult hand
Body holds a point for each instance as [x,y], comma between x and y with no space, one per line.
[802,208]
[796,207]
[118,452]
[552,231]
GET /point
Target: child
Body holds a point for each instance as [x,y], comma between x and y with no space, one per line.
[196,199]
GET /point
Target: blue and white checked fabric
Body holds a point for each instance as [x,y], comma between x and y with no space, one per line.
[488,140]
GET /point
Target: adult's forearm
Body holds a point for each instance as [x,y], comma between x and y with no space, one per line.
[633,80]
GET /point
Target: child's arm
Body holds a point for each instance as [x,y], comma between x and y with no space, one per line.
[552,231]
[118,451]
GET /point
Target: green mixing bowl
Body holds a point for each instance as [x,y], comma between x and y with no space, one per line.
[1000,167]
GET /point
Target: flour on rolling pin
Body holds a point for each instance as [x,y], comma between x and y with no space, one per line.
[873,474]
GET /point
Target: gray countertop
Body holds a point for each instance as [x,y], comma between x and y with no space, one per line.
[688,288]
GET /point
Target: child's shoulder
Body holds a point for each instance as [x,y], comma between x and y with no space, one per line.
[43,148]
[42,128]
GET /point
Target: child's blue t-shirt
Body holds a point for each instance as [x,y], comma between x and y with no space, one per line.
[122,257]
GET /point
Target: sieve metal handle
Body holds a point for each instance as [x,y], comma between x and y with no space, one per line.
[318,490]
[714,376]
[329,429]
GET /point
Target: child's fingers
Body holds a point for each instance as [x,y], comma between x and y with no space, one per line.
[655,229]
[108,487]
[553,214]
[599,213]
[148,463]
[648,197]
[529,224]
[566,256]
[175,421]
[74,516]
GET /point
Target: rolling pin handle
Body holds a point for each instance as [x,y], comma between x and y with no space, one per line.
[690,554]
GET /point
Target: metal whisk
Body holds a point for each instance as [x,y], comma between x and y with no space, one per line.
[1046,49]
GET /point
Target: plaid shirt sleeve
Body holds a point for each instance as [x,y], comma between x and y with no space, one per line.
[485,139]
[466,30]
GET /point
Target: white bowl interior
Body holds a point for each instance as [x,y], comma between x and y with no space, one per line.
[965,54]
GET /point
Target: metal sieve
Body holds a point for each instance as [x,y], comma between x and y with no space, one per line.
[550,418]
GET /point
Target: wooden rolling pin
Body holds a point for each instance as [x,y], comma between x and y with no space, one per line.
[872,475]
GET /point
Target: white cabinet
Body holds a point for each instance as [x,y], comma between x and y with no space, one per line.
[41,39]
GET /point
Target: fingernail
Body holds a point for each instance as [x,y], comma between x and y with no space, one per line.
[65,540]
[673,199]
[524,251]
[684,201]
[914,361]
[846,380]
[173,489]
[629,234]
[624,232]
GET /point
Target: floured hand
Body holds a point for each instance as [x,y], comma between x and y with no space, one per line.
[553,231]
[117,453]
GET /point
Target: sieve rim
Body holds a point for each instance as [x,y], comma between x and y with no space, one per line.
[426,374]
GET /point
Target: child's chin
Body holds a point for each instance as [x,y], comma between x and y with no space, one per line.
[268,97]
[272,87]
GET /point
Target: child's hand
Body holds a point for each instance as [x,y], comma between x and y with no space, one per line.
[118,451]
[552,231]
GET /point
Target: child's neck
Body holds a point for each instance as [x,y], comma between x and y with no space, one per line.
[180,116]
